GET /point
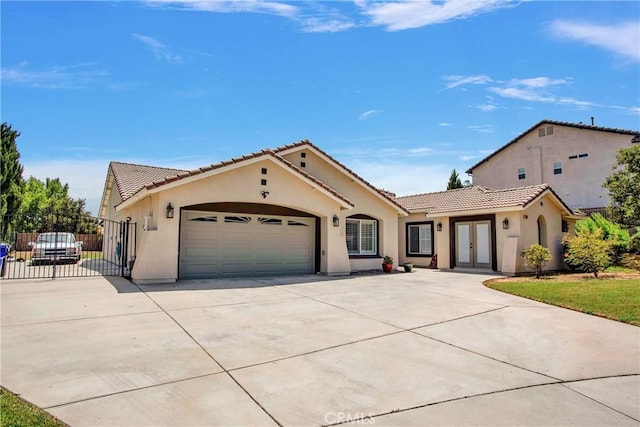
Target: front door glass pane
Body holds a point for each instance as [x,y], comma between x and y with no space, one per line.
[482,243]
[463,243]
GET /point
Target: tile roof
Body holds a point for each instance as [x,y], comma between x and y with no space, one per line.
[474,198]
[554,122]
[385,194]
[130,178]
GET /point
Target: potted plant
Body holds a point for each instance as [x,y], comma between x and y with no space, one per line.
[387,264]
[408,267]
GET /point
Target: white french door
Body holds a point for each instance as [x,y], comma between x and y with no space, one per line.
[473,244]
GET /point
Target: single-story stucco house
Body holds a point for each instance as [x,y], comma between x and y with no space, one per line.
[295,209]
[478,227]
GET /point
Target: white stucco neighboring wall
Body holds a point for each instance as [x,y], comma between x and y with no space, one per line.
[580,183]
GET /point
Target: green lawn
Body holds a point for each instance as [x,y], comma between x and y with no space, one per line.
[16,412]
[613,298]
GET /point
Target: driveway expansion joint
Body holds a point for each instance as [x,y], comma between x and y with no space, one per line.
[225,370]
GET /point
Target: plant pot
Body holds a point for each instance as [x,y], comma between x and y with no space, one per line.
[387,268]
[408,267]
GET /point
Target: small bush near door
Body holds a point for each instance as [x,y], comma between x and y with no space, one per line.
[536,256]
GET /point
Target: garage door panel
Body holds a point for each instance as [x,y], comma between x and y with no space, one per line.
[245,244]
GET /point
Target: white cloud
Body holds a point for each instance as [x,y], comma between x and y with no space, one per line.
[421,151]
[321,25]
[455,81]
[486,107]
[414,14]
[56,77]
[232,6]
[158,49]
[481,128]
[368,114]
[622,38]
[445,124]
[311,17]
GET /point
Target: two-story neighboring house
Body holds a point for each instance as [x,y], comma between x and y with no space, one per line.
[573,158]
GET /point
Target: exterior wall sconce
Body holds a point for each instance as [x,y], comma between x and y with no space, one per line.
[439,226]
[169,211]
[336,221]
[505,224]
[525,216]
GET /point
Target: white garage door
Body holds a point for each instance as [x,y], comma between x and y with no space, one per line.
[223,244]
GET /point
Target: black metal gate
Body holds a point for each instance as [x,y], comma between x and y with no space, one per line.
[56,252]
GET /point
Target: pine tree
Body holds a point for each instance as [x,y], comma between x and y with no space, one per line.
[454,181]
[11,181]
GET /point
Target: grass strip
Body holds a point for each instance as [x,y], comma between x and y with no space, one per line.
[17,412]
[616,299]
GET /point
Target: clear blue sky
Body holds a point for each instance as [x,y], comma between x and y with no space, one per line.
[400,92]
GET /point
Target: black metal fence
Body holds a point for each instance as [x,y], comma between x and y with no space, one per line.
[55,252]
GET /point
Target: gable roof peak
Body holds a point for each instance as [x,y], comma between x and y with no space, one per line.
[556,123]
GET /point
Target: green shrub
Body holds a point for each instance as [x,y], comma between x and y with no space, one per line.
[634,243]
[612,232]
[536,256]
[588,251]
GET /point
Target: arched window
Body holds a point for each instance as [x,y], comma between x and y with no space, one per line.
[542,231]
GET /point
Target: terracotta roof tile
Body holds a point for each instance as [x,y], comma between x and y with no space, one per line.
[133,178]
[474,198]
[130,178]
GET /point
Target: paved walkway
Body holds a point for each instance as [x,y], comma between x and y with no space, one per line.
[426,348]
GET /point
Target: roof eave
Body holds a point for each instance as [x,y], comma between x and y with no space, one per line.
[174,182]
[307,144]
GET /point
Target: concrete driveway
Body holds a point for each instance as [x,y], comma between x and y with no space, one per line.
[426,348]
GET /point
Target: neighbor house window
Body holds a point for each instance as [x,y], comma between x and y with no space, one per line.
[521,173]
[420,239]
[362,236]
[557,168]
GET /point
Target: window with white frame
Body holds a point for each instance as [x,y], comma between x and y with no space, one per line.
[420,239]
[521,173]
[362,236]
[557,168]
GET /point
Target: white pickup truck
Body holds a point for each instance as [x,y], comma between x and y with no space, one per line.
[55,247]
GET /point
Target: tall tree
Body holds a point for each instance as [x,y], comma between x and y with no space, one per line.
[624,187]
[11,181]
[454,181]
[47,206]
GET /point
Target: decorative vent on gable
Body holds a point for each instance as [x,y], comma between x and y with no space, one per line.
[545,131]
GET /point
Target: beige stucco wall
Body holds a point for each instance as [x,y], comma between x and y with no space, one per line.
[157,254]
[523,225]
[402,240]
[365,202]
[579,185]
[522,232]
